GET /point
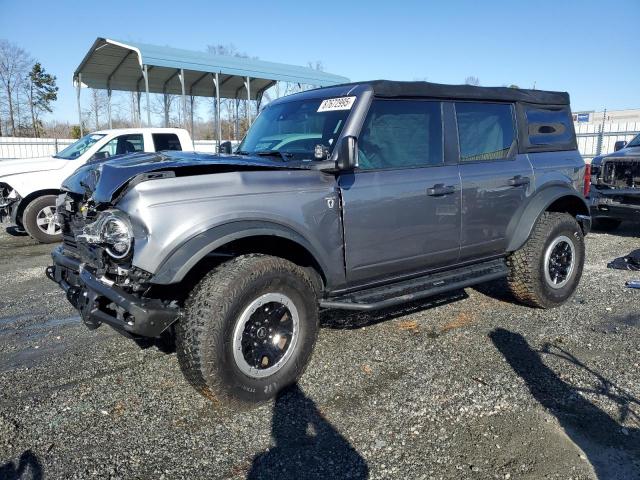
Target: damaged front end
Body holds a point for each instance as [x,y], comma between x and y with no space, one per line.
[9,200]
[615,191]
[93,266]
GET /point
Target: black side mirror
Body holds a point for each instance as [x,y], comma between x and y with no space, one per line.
[225,147]
[619,145]
[348,153]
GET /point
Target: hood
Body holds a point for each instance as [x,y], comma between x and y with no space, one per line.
[623,153]
[31,165]
[103,180]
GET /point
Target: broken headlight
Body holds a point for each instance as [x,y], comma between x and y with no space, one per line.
[112,230]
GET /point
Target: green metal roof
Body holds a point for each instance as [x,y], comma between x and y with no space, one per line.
[118,65]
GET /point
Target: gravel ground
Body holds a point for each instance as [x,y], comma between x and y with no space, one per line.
[465,386]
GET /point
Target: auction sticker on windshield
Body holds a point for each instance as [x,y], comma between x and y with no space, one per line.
[340,103]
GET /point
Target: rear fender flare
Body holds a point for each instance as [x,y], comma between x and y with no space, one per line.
[522,225]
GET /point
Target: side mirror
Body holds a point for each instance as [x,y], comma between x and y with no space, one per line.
[619,145]
[348,153]
[99,156]
[225,147]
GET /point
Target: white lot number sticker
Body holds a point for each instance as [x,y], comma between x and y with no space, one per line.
[340,103]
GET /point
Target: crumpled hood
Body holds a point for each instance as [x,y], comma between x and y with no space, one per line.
[30,165]
[102,180]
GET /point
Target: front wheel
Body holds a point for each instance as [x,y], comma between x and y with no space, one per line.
[545,272]
[249,329]
[39,220]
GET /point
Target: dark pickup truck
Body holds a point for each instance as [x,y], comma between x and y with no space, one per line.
[357,197]
[615,186]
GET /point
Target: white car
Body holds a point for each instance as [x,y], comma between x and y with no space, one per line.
[28,187]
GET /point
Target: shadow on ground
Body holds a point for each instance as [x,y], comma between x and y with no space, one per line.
[613,451]
[27,467]
[306,445]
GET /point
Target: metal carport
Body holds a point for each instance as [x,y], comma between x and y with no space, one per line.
[137,67]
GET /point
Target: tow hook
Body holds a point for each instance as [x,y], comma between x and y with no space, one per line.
[50,272]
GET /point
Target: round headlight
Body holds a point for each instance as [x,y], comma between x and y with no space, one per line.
[116,234]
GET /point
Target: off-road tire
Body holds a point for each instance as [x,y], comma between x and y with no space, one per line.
[606,224]
[204,334]
[526,278]
[29,219]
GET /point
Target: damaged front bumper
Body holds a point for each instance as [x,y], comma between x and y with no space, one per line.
[98,301]
[618,204]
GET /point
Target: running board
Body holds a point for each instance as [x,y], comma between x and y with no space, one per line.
[417,288]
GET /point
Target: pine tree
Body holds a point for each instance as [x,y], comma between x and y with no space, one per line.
[43,91]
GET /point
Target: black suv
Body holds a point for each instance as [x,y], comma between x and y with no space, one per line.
[615,186]
[358,197]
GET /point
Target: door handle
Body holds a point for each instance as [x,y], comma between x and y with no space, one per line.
[518,180]
[440,189]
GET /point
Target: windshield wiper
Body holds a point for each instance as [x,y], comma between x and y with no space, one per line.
[270,153]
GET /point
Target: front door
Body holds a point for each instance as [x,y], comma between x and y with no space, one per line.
[401,206]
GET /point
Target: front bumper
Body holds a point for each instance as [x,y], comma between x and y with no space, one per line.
[100,302]
[612,205]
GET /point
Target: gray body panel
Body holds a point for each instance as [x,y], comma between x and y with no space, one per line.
[168,213]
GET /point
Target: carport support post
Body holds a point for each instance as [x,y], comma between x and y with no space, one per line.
[109,106]
[184,99]
[78,87]
[248,86]
[216,83]
[145,73]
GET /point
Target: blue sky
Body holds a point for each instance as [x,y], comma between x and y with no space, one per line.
[589,48]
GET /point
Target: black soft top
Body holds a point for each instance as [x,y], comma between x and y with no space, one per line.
[393,89]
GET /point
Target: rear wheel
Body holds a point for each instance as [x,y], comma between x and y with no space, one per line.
[546,270]
[249,329]
[606,224]
[39,220]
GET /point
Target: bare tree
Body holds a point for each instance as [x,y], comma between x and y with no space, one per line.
[14,65]
[471,80]
[97,106]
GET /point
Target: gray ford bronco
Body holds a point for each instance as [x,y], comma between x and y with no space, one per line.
[357,197]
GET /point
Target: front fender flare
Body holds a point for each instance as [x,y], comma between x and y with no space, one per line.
[520,229]
[179,262]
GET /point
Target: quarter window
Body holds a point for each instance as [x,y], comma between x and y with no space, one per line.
[485,131]
[549,126]
[400,134]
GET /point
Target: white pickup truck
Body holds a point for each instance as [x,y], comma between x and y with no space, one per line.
[28,187]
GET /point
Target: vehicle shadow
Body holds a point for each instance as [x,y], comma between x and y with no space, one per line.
[349,319]
[626,229]
[613,451]
[28,467]
[306,445]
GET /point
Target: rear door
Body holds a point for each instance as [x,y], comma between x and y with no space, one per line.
[401,207]
[495,179]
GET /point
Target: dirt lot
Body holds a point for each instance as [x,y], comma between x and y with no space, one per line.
[466,386]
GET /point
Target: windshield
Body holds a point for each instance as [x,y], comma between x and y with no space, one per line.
[297,130]
[76,149]
[635,142]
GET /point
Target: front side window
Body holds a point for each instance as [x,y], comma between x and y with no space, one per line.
[401,134]
[485,131]
[121,146]
[76,149]
[295,130]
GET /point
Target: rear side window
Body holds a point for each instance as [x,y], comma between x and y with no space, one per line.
[401,134]
[548,126]
[485,131]
[166,141]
